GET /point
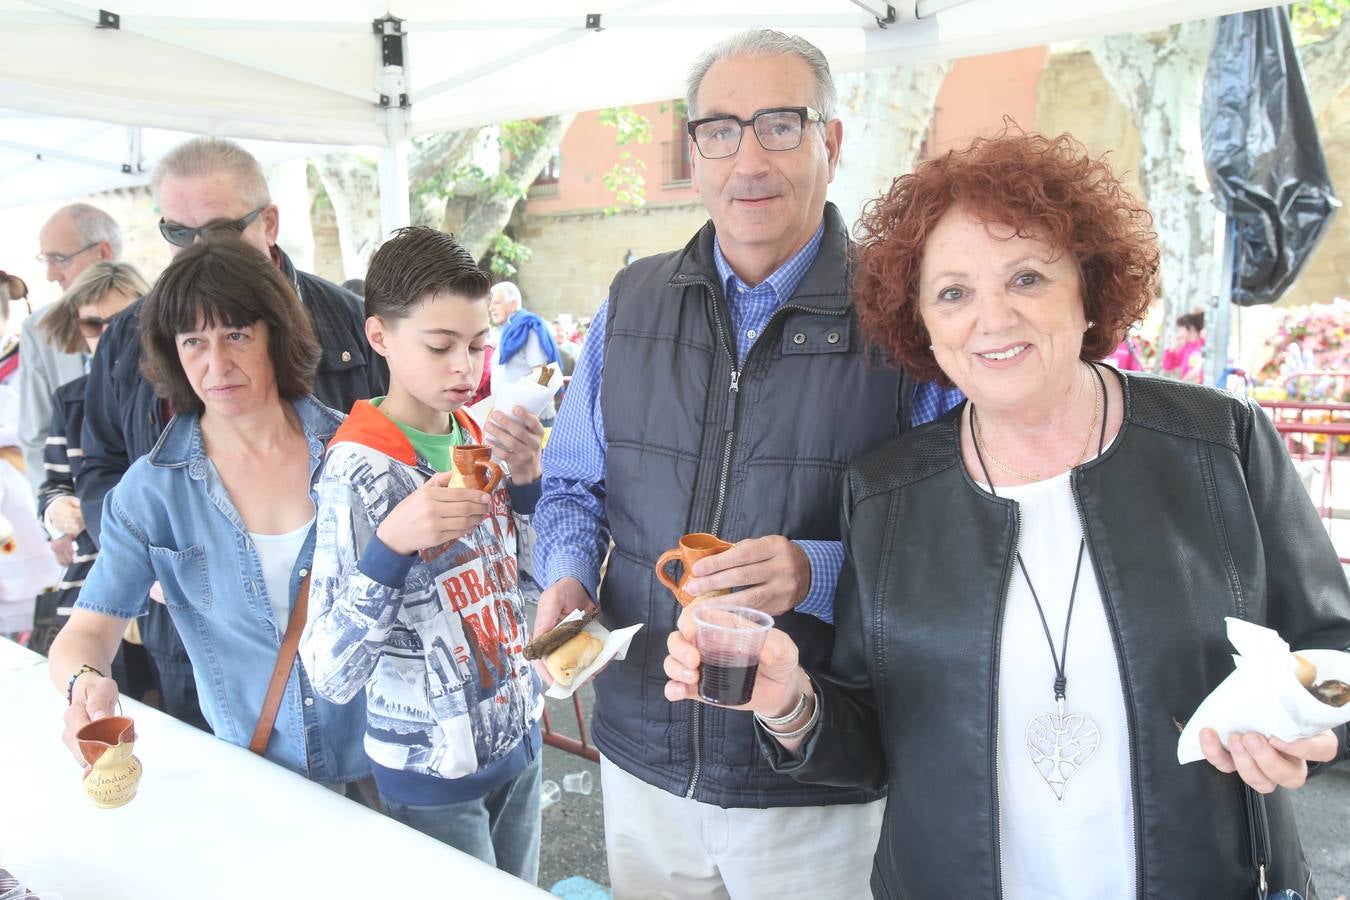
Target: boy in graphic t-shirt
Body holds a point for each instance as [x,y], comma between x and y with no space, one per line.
[415,591]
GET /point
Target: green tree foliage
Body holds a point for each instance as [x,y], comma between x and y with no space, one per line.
[625,179]
[1315,19]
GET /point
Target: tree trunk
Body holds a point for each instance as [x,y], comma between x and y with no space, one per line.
[492,209]
[353,188]
[886,114]
[1326,66]
[434,158]
[1160,79]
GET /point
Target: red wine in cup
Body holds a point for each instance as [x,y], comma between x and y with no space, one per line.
[727,682]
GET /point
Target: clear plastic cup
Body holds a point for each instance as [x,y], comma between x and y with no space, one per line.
[549,794]
[577,782]
[729,639]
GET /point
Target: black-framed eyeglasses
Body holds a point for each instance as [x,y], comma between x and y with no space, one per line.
[63,259]
[718,137]
[185,236]
[93,326]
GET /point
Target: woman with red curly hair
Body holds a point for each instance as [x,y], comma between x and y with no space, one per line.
[1018,673]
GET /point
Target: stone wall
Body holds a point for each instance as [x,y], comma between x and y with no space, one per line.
[575,255]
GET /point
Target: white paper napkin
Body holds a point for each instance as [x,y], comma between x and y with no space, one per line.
[1263,694]
[615,647]
[526,392]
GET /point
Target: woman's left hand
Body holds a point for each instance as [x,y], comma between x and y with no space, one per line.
[517,440]
[1267,763]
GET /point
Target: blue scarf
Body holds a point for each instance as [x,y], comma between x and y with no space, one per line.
[516,333]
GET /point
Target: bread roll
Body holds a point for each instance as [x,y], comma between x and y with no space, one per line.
[1304,671]
[569,659]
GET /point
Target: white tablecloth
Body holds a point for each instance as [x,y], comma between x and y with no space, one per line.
[211,820]
[14,658]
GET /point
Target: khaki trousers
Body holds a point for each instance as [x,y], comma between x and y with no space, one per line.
[664,846]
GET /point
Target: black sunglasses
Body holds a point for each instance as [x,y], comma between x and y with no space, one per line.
[93,326]
[185,236]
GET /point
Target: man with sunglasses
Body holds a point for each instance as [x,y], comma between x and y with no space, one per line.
[203,186]
[72,240]
[723,388]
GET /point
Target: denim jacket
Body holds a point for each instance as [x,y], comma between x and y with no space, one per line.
[170,520]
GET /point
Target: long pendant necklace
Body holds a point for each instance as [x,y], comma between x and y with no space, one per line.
[1059,743]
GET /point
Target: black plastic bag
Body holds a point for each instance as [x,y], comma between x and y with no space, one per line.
[1263,154]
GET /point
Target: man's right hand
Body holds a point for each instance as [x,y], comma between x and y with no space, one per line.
[432,515]
[65,515]
[555,604]
[94,698]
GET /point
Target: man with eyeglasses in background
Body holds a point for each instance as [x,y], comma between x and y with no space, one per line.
[724,388]
[201,186]
[72,240]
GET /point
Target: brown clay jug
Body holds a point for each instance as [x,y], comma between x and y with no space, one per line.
[113,773]
[475,468]
[692,548]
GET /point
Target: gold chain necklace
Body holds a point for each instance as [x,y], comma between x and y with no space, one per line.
[984,448]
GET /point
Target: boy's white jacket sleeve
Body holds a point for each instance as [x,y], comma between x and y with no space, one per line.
[355,588]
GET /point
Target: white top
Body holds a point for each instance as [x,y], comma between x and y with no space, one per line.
[27,564]
[277,553]
[1084,849]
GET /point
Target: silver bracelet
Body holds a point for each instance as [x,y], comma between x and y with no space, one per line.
[804,730]
[790,717]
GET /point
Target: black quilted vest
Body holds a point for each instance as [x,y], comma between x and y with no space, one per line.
[688,452]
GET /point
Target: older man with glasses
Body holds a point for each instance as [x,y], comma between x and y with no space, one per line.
[202,186]
[723,388]
[72,240]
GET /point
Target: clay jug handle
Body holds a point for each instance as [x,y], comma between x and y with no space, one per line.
[493,476]
[664,560]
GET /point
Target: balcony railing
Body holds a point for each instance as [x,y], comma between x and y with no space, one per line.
[676,170]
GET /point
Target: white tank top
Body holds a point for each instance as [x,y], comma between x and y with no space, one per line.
[277,554]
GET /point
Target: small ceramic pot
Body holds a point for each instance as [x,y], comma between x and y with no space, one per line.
[114,772]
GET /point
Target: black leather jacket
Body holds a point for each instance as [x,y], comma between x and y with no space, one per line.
[1193,514]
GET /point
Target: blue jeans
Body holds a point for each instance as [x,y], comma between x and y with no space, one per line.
[501,828]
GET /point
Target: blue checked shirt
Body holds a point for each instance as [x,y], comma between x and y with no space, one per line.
[569,520]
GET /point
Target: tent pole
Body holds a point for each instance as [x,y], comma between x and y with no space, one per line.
[1220,308]
[395,211]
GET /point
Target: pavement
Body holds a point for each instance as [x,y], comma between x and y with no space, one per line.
[573,841]
[1322,807]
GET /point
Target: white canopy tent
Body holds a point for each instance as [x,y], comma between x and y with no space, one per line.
[357,72]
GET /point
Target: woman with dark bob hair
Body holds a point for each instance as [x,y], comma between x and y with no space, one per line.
[1037,582]
[218,518]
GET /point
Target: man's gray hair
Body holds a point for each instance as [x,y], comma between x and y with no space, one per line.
[94,226]
[207,155]
[767,42]
[508,290]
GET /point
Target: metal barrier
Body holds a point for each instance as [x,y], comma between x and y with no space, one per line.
[583,747]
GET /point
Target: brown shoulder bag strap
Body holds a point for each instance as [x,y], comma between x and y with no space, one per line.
[281,672]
